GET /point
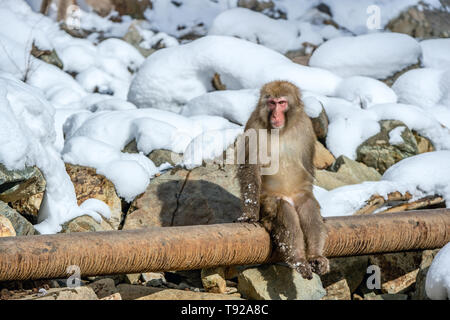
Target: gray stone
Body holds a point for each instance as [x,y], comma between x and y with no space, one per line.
[161,156]
[213,280]
[20,184]
[277,282]
[85,224]
[204,195]
[20,224]
[134,38]
[103,287]
[378,153]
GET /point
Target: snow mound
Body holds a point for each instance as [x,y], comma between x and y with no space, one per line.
[424,87]
[279,35]
[234,105]
[97,139]
[27,138]
[435,53]
[437,284]
[421,175]
[377,55]
[171,77]
[365,91]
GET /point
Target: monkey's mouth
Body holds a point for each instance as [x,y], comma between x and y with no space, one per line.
[277,125]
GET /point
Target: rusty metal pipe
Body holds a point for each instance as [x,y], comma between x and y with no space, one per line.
[194,247]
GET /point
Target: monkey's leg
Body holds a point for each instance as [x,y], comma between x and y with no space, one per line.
[313,227]
[288,237]
[250,182]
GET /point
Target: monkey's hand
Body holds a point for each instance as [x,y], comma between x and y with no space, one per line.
[304,268]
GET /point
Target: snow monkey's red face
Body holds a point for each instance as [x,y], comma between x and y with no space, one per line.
[277,108]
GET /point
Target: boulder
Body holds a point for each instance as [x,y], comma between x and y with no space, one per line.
[134,37]
[21,225]
[382,150]
[423,144]
[88,184]
[419,292]
[85,224]
[161,156]
[103,287]
[6,228]
[322,157]
[173,294]
[423,21]
[154,279]
[320,125]
[345,171]
[204,195]
[277,282]
[20,184]
[213,280]
[29,206]
[338,291]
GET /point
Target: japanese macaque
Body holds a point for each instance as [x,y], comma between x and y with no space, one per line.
[283,200]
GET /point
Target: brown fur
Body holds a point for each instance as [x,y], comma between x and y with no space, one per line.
[297,230]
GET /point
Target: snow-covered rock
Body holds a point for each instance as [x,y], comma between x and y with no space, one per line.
[279,35]
[27,138]
[366,91]
[437,283]
[171,77]
[377,55]
[234,105]
[424,87]
[435,53]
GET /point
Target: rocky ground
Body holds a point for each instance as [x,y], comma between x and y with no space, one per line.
[210,194]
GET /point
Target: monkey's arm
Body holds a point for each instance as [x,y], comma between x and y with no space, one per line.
[250,181]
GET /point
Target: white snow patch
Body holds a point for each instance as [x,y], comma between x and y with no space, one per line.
[395,136]
[437,284]
[435,53]
[377,55]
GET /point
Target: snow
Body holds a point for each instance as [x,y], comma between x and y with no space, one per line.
[424,87]
[171,77]
[435,53]
[26,139]
[395,136]
[365,91]
[377,55]
[421,175]
[279,35]
[437,284]
[234,105]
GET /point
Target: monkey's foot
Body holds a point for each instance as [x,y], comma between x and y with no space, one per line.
[319,265]
[303,268]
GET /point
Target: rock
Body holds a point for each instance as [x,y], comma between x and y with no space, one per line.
[276,282]
[101,7]
[161,156]
[21,225]
[302,59]
[377,152]
[78,293]
[29,206]
[6,228]
[85,224]
[131,292]
[49,56]
[115,296]
[214,280]
[385,297]
[419,289]
[20,184]
[322,157]
[104,288]
[173,294]
[423,144]
[338,291]
[133,278]
[423,21]
[345,171]
[154,279]
[398,270]
[256,5]
[134,37]
[351,269]
[320,125]
[204,195]
[133,8]
[88,184]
